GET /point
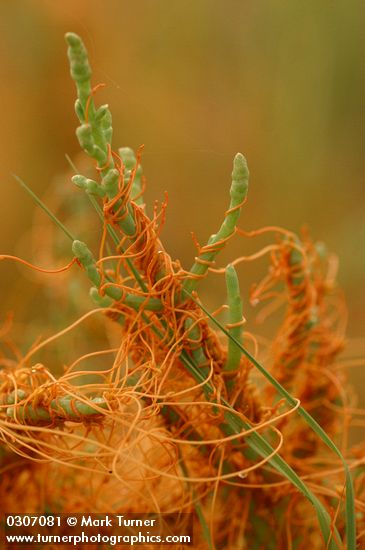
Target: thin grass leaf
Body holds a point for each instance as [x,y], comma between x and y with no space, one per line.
[44,207]
[236,425]
[350,498]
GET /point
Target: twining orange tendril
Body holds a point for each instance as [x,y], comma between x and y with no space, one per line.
[36,268]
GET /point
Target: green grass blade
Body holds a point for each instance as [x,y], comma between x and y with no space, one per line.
[44,207]
[235,425]
[350,498]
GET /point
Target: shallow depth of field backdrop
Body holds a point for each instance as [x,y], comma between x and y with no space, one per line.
[195,81]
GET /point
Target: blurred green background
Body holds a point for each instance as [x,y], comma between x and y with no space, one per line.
[197,81]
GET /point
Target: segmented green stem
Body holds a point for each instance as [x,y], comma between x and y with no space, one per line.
[216,242]
[63,408]
[95,132]
[197,351]
[87,260]
[129,160]
[94,135]
[235,318]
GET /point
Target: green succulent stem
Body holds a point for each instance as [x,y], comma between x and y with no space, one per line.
[130,161]
[63,408]
[216,242]
[87,260]
[95,132]
[196,348]
[235,313]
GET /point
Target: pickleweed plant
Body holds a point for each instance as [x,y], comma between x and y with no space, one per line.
[175,419]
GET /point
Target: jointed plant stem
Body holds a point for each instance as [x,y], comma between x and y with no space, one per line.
[63,408]
[217,241]
[235,318]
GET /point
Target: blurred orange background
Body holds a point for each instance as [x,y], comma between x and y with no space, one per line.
[195,82]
